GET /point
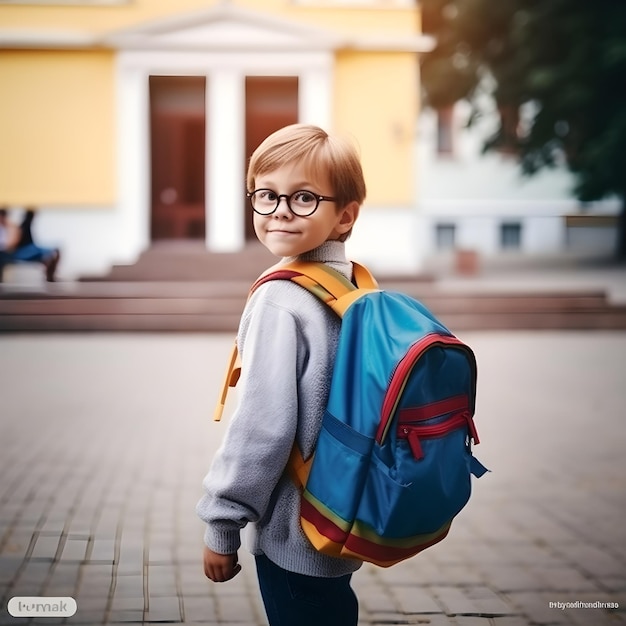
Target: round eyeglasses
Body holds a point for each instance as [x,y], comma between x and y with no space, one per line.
[301,203]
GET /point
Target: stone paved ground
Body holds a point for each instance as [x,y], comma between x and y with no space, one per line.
[104,440]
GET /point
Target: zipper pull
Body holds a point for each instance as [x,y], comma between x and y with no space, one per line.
[414,443]
[471,427]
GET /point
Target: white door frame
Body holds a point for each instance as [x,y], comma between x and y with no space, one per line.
[225,74]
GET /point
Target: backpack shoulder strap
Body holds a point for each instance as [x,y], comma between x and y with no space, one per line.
[327,284]
[363,277]
[233,372]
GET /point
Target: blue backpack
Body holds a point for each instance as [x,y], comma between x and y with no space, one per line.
[393,463]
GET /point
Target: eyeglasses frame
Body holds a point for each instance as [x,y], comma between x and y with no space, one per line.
[279,196]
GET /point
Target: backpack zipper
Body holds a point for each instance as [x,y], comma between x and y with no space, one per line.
[414,432]
[403,370]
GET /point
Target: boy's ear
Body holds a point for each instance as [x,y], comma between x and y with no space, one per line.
[349,215]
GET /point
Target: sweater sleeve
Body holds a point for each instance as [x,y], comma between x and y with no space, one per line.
[261,433]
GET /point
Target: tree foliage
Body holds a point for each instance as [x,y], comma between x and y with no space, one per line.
[566,57]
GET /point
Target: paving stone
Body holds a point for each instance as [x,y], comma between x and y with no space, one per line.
[510,577]
[74,550]
[564,578]
[199,609]
[488,602]
[88,617]
[123,603]
[93,603]
[374,600]
[594,560]
[509,620]
[126,617]
[129,585]
[130,561]
[46,546]
[164,609]
[94,580]
[385,619]
[615,584]
[63,582]
[102,550]
[455,600]
[161,580]
[17,543]
[9,566]
[5,618]
[32,577]
[415,600]
[236,609]
[472,620]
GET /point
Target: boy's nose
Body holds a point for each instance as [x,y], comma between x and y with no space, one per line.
[282,210]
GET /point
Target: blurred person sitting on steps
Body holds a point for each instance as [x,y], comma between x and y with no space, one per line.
[17,245]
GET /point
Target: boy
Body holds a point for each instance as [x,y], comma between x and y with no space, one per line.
[306,189]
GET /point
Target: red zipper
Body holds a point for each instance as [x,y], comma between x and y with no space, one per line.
[439,408]
[413,433]
[402,372]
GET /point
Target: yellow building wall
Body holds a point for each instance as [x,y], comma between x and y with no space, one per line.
[57,127]
[58,107]
[382,19]
[377,103]
[99,19]
[95,19]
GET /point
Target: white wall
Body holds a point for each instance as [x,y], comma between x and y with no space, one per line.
[478,192]
[388,240]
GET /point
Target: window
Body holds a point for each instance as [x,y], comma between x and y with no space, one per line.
[510,235]
[445,130]
[507,138]
[446,235]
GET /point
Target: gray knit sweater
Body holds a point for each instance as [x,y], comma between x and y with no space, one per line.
[287,341]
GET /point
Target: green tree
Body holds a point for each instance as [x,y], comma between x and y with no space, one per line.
[567,57]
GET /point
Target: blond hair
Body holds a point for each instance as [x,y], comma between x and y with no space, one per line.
[321,154]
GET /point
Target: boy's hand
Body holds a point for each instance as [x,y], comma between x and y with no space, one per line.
[220,567]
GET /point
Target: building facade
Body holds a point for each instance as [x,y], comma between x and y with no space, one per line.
[128,122]
[481,202]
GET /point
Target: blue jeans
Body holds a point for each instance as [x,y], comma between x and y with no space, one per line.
[296,600]
[31,252]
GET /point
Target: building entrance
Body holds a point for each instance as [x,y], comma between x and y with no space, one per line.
[177,133]
[271,103]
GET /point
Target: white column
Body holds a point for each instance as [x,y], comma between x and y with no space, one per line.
[225,184]
[315,95]
[133,161]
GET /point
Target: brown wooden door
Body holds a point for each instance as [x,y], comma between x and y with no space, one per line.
[271,103]
[177,133]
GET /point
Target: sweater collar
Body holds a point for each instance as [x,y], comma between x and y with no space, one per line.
[329,252]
